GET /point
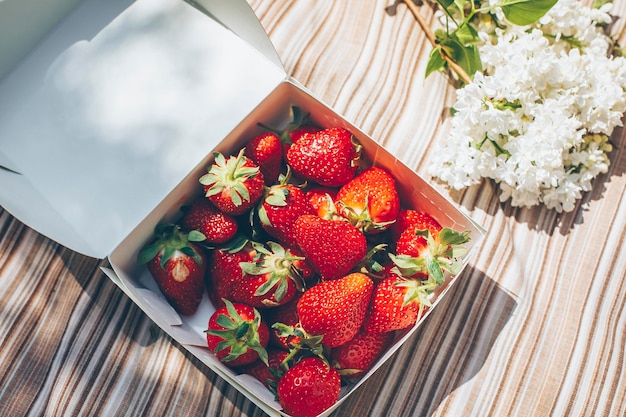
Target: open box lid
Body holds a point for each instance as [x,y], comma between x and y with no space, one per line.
[116,105]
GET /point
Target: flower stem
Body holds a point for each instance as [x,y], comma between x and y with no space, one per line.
[431,38]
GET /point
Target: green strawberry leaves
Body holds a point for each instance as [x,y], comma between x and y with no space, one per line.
[300,341]
[229,174]
[170,239]
[443,255]
[275,262]
[238,335]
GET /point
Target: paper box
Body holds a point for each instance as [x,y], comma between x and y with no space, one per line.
[109,122]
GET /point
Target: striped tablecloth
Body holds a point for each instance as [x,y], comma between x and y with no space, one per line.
[535,327]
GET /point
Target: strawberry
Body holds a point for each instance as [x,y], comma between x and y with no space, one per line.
[282,205]
[370,201]
[396,304]
[302,267]
[356,357]
[178,266]
[266,150]
[286,332]
[414,219]
[329,157]
[269,279]
[225,271]
[287,315]
[298,126]
[237,334]
[335,309]
[309,388]
[400,299]
[235,184]
[269,374]
[296,134]
[204,217]
[321,199]
[332,247]
[419,253]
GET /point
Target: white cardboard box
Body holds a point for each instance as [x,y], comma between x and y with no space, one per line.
[114,116]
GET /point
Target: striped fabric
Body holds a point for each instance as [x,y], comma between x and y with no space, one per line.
[535,327]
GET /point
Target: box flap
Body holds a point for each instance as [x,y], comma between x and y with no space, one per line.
[114,107]
[239,17]
[23,23]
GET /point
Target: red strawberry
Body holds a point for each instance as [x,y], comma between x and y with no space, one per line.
[321,199]
[287,315]
[296,134]
[237,334]
[177,265]
[356,357]
[415,220]
[419,253]
[370,201]
[329,157]
[298,126]
[269,374]
[309,388]
[269,279]
[204,217]
[234,185]
[287,333]
[266,151]
[400,299]
[282,205]
[335,309]
[302,267]
[225,271]
[396,304]
[332,247]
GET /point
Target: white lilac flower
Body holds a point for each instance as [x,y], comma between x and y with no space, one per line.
[537,120]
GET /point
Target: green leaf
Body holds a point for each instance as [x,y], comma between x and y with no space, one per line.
[466,56]
[213,190]
[435,62]
[434,270]
[236,244]
[168,251]
[149,252]
[599,3]
[226,322]
[242,330]
[466,34]
[262,213]
[196,236]
[277,197]
[265,288]
[457,251]
[452,266]
[191,252]
[445,3]
[449,236]
[525,12]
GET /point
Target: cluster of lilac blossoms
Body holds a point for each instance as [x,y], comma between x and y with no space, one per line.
[538,119]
